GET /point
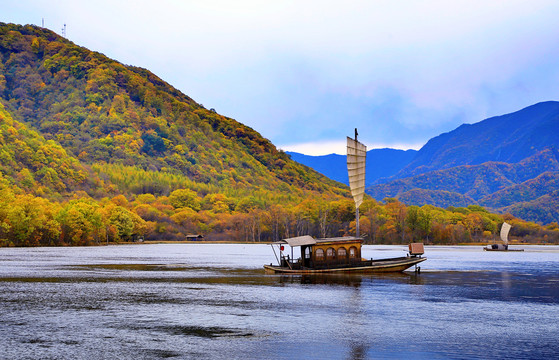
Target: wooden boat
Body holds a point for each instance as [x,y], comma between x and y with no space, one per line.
[337,255]
[505,228]
[343,254]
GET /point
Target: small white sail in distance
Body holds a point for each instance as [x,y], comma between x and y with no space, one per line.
[356,159]
[505,232]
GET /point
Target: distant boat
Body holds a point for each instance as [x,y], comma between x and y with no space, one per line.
[505,228]
[341,254]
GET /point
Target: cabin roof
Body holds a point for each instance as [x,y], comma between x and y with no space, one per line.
[309,240]
[194,236]
[299,241]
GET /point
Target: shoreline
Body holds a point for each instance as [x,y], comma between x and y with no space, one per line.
[217,242]
[267,243]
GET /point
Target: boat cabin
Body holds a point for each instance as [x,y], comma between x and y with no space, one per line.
[323,253]
[500,247]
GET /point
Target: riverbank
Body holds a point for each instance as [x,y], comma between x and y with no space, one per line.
[263,242]
[152,242]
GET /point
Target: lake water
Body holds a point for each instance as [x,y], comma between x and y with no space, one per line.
[202,301]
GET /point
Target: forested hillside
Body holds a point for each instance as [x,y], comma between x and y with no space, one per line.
[76,124]
[100,110]
[93,151]
[36,165]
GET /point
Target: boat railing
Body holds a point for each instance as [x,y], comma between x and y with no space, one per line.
[286,261]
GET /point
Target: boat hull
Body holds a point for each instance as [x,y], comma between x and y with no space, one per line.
[503,250]
[378,266]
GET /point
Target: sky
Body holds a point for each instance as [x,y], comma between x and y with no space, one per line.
[304,74]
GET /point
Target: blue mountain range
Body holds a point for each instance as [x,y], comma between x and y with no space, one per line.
[507,163]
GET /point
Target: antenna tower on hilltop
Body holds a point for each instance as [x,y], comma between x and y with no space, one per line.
[64,31]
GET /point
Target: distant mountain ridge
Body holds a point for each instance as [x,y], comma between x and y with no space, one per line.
[508,138]
[504,163]
[474,181]
[381,163]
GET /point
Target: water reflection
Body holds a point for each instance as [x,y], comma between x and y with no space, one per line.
[356,313]
[352,280]
[346,280]
[358,351]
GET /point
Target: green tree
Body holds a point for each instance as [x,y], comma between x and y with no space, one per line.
[123,222]
[184,198]
[82,222]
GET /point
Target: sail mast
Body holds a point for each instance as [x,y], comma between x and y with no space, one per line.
[356,159]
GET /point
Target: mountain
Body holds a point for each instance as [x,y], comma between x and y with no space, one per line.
[505,163]
[508,138]
[381,163]
[102,111]
[475,181]
[93,149]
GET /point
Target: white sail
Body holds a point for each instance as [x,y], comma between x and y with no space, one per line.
[356,157]
[505,232]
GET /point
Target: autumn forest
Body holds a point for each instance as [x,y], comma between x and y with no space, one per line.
[93,152]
